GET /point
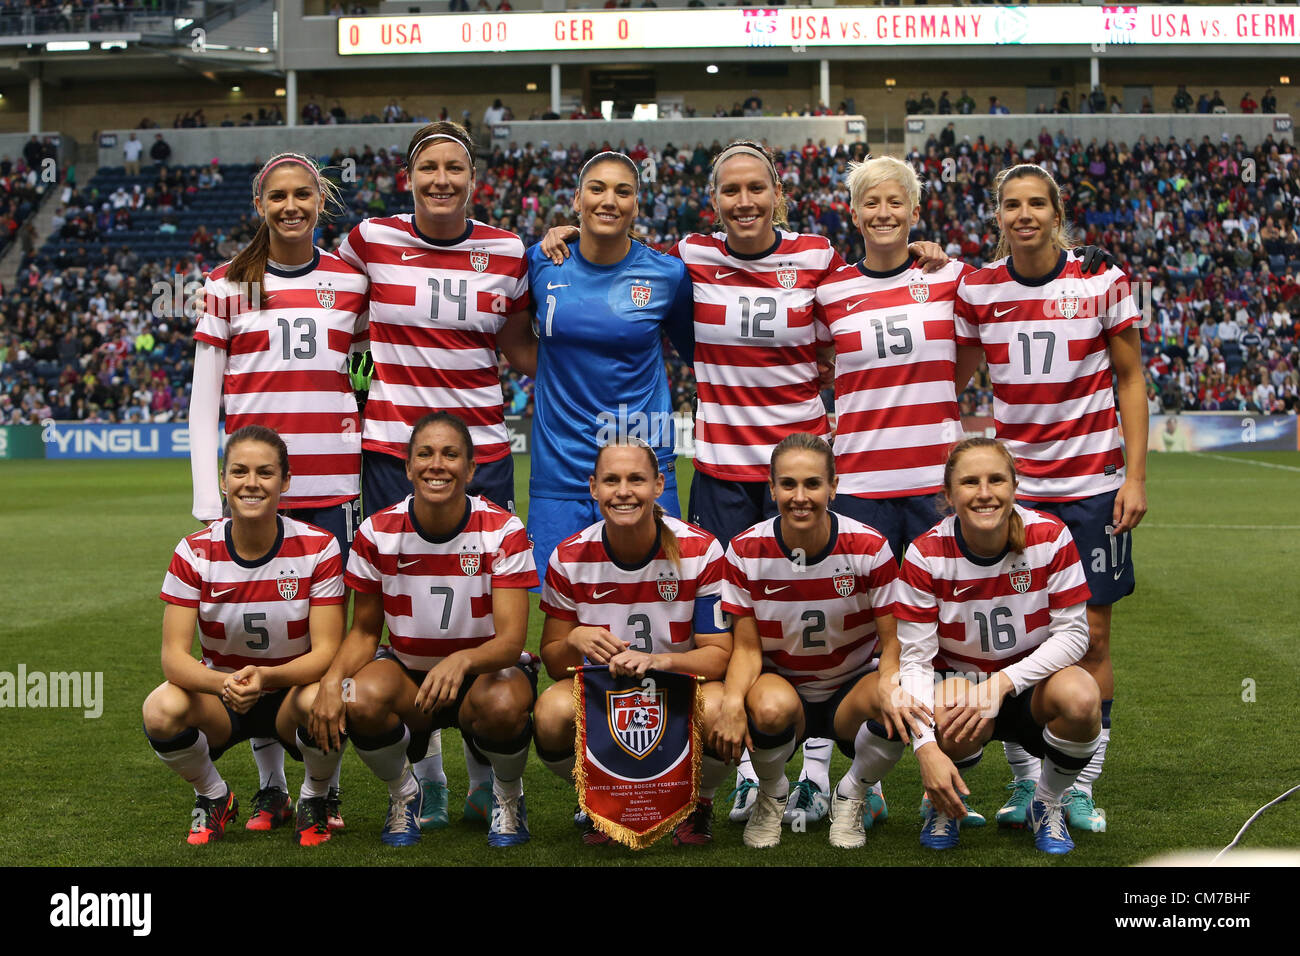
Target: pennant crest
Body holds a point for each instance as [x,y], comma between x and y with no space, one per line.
[641,295]
[1021,579]
[668,588]
[845,584]
[787,278]
[636,721]
[287,585]
[478,259]
[1069,305]
[325,296]
[470,561]
[920,291]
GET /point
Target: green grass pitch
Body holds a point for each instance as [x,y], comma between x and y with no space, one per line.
[1205,654]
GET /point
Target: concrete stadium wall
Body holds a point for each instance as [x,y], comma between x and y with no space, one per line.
[11,145]
[1120,127]
[194,147]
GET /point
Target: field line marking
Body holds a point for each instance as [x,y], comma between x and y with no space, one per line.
[1228,527]
[1246,461]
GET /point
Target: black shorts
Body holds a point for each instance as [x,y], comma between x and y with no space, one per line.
[819,716]
[258,722]
[384,482]
[1015,720]
[449,716]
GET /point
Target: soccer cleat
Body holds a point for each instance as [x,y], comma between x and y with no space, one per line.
[272,808]
[743,804]
[478,804]
[1048,823]
[312,827]
[939,832]
[806,801]
[402,828]
[580,819]
[696,829]
[874,809]
[1080,812]
[973,818]
[594,836]
[211,817]
[509,822]
[1014,810]
[334,808]
[433,800]
[847,831]
[764,827]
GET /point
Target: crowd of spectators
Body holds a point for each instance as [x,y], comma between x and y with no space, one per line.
[1094,101]
[67,16]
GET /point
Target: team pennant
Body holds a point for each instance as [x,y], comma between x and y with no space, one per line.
[639,741]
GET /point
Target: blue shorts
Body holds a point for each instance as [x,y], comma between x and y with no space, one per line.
[384,482]
[341,520]
[900,520]
[1107,559]
[551,520]
[726,508]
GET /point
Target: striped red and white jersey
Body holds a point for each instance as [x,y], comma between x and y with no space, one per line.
[990,612]
[1047,345]
[652,606]
[816,615]
[254,612]
[287,368]
[896,413]
[435,310]
[438,592]
[755,348]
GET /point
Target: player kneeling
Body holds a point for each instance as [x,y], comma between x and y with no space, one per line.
[449,576]
[812,594]
[996,590]
[638,590]
[266,593]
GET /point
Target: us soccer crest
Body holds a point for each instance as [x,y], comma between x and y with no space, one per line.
[641,294]
[636,720]
[470,561]
[845,583]
[668,587]
[920,291]
[787,277]
[287,585]
[325,296]
[1069,305]
[478,259]
[1021,578]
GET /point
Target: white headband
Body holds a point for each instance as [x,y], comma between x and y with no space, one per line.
[738,149]
[415,151]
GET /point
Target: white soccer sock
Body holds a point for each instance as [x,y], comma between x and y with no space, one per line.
[507,789]
[1056,778]
[817,762]
[388,763]
[769,767]
[269,756]
[1091,773]
[194,764]
[1024,765]
[745,769]
[338,769]
[712,772]
[562,768]
[322,769]
[480,772]
[873,758]
[429,767]
[508,767]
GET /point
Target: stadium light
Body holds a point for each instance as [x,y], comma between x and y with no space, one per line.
[530,87]
[113,45]
[235,89]
[890,82]
[711,68]
[280,91]
[67,46]
[1284,81]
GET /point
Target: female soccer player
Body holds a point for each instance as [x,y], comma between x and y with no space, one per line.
[1056,339]
[993,599]
[446,293]
[637,590]
[278,324]
[448,574]
[600,368]
[266,592]
[812,594]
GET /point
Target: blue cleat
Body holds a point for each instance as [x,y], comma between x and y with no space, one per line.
[1048,824]
[509,822]
[939,831]
[402,828]
[973,818]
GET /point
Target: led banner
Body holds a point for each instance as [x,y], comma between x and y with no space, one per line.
[815,27]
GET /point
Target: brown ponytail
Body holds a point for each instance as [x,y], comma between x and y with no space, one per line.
[1016,525]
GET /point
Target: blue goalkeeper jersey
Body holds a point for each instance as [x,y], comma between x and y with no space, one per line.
[600,366]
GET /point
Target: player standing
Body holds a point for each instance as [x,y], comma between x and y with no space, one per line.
[637,590]
[1056,341]
[446,293]
[279,322]
[993,599]
[266,594]
[448,574]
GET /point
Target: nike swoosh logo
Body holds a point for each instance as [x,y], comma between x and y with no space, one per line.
[408,563]
[597,595]
[958,591]
[271,744]
[1119,574]
[556,285]
[722,275]
[853,305]
[217,594]
[414,255]
[767,590]
[1001,312]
